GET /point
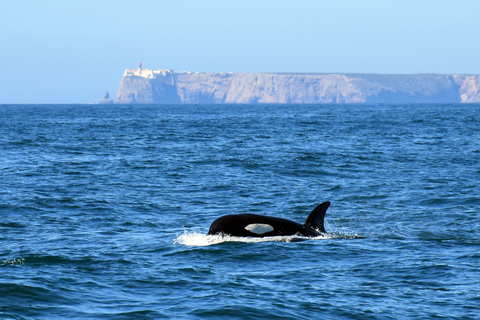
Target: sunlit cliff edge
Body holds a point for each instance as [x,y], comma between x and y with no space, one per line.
[144,86]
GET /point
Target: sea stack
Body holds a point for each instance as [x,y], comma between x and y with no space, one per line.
[105,99]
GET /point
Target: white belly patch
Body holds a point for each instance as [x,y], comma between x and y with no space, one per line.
[259,228]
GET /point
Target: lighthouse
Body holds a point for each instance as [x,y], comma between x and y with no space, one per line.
[140,66]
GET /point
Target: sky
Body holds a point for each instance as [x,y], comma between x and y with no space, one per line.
[70,51]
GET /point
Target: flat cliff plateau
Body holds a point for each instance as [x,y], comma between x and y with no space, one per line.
[297,88]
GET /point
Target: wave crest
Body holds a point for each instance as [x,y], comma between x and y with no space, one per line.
[191,238]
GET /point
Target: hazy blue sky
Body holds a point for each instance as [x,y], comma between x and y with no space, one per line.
[72,51]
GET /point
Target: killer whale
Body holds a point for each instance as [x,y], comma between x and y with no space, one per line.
[254,225]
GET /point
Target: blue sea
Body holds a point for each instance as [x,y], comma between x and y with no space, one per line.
[104,211]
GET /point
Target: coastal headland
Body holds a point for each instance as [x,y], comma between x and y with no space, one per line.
[145,86]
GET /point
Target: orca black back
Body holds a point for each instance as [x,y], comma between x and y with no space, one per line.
[254,225]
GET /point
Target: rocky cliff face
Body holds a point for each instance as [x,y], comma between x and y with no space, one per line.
[299,88]
[161,89]
[469,88]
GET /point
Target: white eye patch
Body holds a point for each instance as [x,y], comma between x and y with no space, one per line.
[259,228]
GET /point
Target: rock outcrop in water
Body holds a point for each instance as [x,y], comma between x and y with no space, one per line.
[165,86]
[105,99]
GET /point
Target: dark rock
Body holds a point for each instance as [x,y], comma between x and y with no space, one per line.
[106,99]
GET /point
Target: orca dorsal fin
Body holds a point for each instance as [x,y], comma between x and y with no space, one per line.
[316,218]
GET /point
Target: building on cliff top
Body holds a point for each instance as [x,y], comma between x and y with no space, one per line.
[146,73]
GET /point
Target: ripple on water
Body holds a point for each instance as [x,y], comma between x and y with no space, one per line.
[104,211]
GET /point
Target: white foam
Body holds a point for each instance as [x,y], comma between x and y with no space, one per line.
[14,261]
[189,238]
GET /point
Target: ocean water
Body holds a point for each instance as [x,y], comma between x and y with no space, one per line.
[104,211]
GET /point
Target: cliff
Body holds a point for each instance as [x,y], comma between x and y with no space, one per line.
[186,87]
[159,89]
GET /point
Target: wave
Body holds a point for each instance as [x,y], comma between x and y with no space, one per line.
[192,238]
[15,261]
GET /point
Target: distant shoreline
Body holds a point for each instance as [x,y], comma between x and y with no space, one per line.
[145,86]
